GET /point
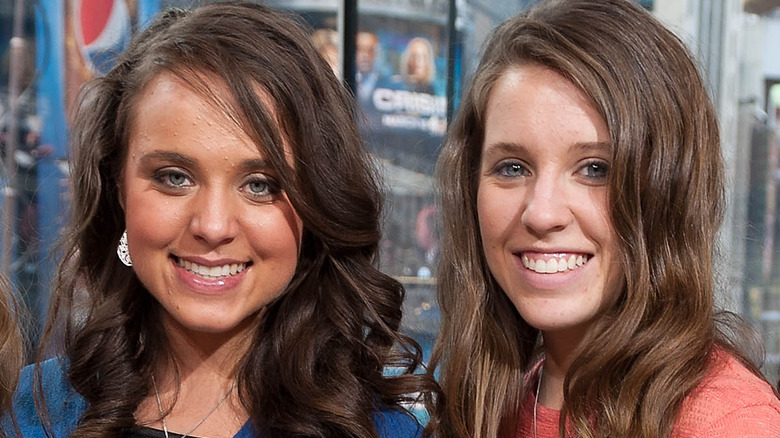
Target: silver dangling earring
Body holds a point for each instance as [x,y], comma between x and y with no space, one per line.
[123,251]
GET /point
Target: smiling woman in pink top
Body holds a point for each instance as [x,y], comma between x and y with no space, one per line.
[582,189]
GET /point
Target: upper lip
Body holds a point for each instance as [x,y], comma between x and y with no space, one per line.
[211,262]
[550,251]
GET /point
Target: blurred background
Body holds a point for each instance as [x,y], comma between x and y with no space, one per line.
[407,62]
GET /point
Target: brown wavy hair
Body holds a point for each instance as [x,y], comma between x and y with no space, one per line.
[666,200]
[315,365]
[12,345]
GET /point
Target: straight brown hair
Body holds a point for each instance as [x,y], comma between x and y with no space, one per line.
[666,200]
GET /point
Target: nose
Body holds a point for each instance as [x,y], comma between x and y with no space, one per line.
[547,206]
[214,219]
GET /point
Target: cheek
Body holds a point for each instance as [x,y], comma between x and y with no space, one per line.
[276,234]
[152,221]
[615,278]
[598,226]
[493,215]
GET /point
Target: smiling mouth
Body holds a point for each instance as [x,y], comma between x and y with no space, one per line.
[212,271]
[556,264]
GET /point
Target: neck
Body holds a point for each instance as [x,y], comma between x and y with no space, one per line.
[202,395]
[559,352]
[202,354]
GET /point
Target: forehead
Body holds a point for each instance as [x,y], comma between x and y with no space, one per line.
[538,106]
[365,38]
[208,100]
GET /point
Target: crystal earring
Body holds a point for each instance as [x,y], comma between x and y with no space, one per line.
[123,251]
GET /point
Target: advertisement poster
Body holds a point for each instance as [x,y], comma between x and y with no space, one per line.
[96,32]
[401,87]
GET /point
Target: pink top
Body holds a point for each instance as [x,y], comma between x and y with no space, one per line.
[731,402]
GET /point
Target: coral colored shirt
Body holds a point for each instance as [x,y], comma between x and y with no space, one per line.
[731,402]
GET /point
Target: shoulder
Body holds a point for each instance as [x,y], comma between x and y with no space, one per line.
[730,402]
[397,423]
[63,404]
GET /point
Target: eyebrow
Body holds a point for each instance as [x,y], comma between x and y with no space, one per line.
[254,165]
[514,147]
[251,165]
[173,157]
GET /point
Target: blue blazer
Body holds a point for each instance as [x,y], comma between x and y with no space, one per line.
[65,407]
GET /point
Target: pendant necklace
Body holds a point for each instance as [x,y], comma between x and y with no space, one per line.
[192,429]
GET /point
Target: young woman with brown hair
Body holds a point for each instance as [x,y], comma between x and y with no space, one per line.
[582,191]
[219,277]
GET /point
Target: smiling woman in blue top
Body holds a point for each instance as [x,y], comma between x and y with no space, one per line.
[219,275]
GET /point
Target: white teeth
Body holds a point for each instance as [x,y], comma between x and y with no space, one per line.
[215,271]
[554,265]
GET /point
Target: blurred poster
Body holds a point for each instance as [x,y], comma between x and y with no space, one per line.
[96,32]
[401,88]
[325,34]
[401,65]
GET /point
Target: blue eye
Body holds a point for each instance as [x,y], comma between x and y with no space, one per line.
[597,170]
[260,186]
[257,187]
[173,179]
[176,179]
[511,169]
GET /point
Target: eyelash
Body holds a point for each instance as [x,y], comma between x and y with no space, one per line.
[597,165]
[510,169]
[163,178]
[270,186]
[502,169]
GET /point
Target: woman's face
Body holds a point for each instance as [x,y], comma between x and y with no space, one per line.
[418,61]
[542,200]
[212,236]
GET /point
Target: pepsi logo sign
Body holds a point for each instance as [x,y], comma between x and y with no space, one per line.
[103,30]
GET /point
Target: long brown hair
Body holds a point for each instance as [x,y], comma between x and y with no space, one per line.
[12,345]
[315,367]
[666,198]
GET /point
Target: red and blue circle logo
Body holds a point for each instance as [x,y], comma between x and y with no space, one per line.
[103,31]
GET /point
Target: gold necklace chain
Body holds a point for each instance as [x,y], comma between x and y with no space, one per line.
[192,429]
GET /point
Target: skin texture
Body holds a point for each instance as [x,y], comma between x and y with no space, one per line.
[542,196]
[196,189]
